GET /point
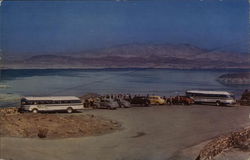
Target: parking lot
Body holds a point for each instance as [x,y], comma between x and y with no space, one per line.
[149,133]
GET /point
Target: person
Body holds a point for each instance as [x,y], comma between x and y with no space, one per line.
[178,99]
[91,102]
[86,103]
[245,95]
[129,96]
[107,96]
[170,100]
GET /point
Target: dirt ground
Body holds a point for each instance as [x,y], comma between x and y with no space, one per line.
[148,133]
[234,154]
[54,125]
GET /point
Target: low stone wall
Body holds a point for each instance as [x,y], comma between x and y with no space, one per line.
[219,144]
[9,110]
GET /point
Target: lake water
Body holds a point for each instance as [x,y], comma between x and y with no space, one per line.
[168,82]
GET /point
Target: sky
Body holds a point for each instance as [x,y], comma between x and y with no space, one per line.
[42,27]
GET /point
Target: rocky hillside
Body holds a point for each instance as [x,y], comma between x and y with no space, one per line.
[137,56]
[235,78]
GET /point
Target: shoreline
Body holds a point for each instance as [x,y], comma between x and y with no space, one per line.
[125,68]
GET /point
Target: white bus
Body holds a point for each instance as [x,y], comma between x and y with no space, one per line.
[215,97]
[60,103]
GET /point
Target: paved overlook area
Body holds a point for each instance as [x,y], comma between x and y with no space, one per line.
[149,133]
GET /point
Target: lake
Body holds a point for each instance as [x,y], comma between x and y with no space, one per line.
[167,82]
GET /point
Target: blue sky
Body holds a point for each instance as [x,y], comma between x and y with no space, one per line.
[40,27]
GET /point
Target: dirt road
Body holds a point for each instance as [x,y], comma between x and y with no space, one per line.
[150,133]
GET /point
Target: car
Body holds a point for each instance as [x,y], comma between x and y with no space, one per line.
[140,100]
[156,100]
[106,104]
[184,100]
[123,103]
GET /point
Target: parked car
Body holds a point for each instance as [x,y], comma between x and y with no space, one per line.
[156,100]
[123,103]
[106,104]
[184,100]
[140,100]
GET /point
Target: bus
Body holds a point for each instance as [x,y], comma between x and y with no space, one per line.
[59,103]
[215,97]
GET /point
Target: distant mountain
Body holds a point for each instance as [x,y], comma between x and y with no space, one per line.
[183,56]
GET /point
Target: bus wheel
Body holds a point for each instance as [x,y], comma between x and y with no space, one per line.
[218,103]
[69,110]
[34,110]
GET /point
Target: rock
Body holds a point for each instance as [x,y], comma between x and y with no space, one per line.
[42,133]
[235,139]
[235,78]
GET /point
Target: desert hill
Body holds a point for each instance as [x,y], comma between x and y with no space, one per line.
[182,56]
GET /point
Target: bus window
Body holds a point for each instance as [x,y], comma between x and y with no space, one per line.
[64,101]
[56,102]
[75,101]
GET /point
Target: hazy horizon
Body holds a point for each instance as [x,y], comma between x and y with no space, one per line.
[46,27]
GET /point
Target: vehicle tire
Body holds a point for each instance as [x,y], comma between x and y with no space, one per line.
[69,110]
[34,110]
[112,108]
[218,103]
[20,110]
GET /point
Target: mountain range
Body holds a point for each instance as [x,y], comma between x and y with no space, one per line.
[179,56]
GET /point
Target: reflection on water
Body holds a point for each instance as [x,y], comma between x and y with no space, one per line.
[137,81]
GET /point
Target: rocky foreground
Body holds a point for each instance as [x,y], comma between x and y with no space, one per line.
[14,124]
[238,139]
